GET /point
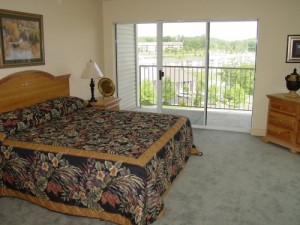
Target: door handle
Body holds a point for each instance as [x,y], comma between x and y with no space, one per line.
[161,74]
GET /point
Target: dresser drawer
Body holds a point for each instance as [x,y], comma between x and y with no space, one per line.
[282,120]
[280,133]
[283,107]
[298,134]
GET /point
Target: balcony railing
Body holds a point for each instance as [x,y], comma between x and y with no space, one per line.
[185,86]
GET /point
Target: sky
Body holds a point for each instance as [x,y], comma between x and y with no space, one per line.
[223,30]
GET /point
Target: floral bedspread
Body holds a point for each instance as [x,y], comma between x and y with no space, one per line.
[114,165]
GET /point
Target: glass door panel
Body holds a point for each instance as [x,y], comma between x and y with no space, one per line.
[183,84]
[232,52]
[147,65]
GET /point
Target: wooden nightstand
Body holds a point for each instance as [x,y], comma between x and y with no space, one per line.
[283,126]
[108,103]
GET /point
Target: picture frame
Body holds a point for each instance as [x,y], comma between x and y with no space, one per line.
[293,49]
[21,39]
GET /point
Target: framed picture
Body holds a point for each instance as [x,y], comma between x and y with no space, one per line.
[21,39]
[293,49]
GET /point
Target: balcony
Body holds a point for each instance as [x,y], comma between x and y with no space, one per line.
[228,97]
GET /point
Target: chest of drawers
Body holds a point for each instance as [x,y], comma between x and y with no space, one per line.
[283,125]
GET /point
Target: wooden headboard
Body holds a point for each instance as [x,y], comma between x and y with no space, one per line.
[30,87]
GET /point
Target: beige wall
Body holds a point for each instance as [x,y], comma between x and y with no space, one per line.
[72,36]
[276,19]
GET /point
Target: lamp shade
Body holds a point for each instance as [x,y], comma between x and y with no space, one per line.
[91,70]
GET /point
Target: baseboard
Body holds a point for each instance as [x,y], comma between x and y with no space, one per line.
[258,132]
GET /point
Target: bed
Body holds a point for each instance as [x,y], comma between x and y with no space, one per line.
[59,153]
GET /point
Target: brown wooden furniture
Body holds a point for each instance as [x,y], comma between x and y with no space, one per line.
[108,103]
[283,126]
[30,87]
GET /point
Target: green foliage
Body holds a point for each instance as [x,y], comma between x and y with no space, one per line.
[213,94]
[235,95]
[182,102]
[199,97]
[196,45]
[243,77]
[197,100]
[236,83]
[239,46]
[185,88]
[147,39]
[148,95]
[168,90]
[252,45]
[169,39]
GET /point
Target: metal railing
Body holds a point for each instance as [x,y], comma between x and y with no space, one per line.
[185,86]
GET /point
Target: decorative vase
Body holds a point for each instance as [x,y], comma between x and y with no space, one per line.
[293,83]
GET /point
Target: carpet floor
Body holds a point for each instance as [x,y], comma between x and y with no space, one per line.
[238,181]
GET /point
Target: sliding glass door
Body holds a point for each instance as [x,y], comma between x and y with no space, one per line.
[183,64]
[171,58]
[203,70]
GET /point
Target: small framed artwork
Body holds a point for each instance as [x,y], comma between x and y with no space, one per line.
[21,39]
[293,49]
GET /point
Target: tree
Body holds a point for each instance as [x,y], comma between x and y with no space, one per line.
[148,95]
[186,88]
[194,44]
[243,77]
[200,87]
[213,96]
[235,95]
[168,90]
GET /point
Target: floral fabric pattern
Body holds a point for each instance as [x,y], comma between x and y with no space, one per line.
[110,186]
[19,120]
[124,133]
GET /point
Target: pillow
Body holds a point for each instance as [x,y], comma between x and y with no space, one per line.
[61,106]
[21,119]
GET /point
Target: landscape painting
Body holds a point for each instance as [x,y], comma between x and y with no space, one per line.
[21,38]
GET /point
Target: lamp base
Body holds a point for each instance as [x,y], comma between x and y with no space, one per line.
[92,85]
[93,99]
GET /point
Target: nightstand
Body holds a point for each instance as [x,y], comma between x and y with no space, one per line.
[108,103]
[283,126]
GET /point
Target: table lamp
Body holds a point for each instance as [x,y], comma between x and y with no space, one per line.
[91,71]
